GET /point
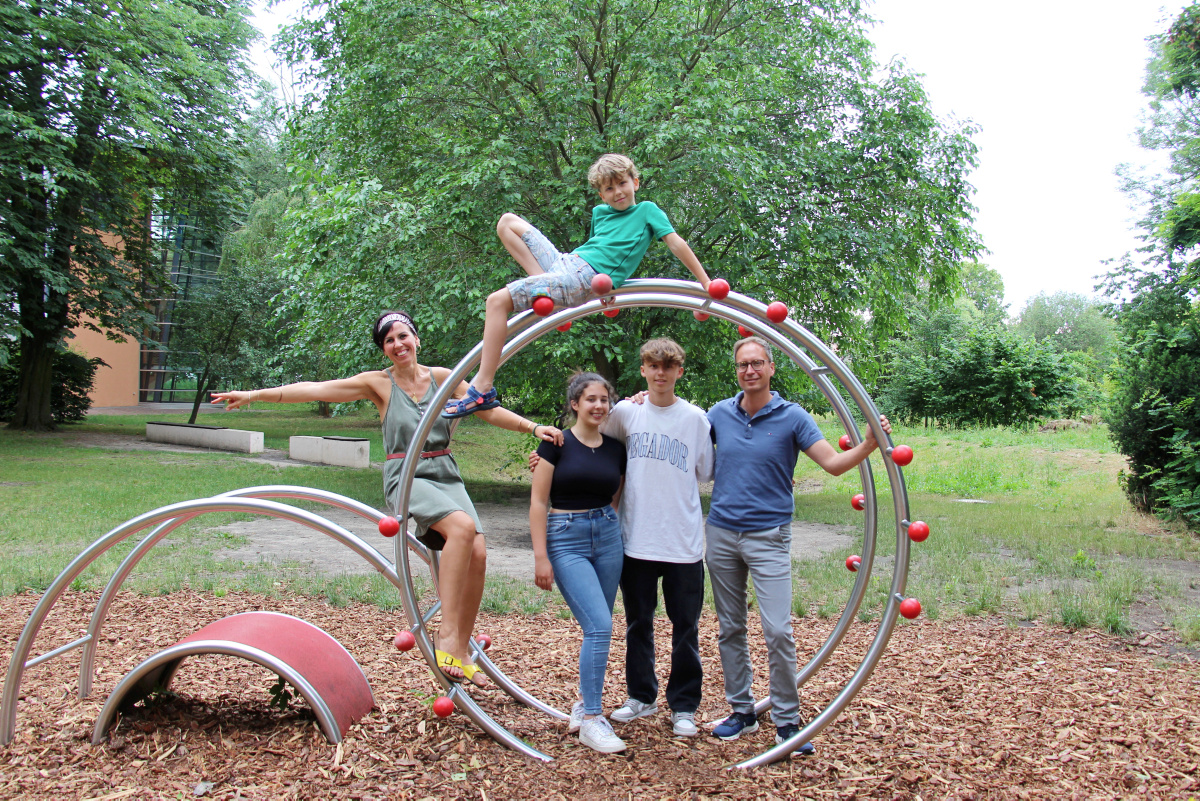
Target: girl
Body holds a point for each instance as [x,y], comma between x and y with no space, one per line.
[577,540]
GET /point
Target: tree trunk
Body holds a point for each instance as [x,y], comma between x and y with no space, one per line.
[605,366]
[32,411]
[203,385]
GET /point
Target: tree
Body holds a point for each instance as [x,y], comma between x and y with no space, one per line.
[757,125]
[1154,417]
[982,375]
[226,334]
[984,287]
[1070,322]
[107,110]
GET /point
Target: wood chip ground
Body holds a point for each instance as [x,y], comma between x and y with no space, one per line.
[959,709]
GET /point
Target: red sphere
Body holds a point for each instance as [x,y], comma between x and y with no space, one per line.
[777,312]
[405,641]
[844,442]
[443,707]
[484,640]
[918,531]
[902,455]
[699,315]
[564,327]
[718,289]
[910,608]
[602,283]
[859,501]
[389,526]
[744,332]
[852,562]
[542,305]
[611,312]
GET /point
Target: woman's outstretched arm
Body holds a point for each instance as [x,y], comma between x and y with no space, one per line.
[364,386]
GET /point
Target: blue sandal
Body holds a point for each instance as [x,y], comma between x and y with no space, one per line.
[473,402]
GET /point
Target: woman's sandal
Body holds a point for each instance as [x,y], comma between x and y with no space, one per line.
[470,671]
[474,401]
[445,660]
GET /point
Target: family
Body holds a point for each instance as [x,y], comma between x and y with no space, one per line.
[615,499]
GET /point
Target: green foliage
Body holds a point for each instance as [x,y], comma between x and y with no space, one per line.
[73,374]
[1071,323]
[757,127]
[984,288]
[1154,417]
[227,330]
[281,694]
[983,376]
[105,109]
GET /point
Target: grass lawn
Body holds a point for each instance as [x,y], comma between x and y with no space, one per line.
[1054,538]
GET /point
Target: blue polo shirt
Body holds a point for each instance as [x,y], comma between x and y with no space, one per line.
[755,460]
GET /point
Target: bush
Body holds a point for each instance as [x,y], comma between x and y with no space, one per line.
[988,377]
[1154,418]
[74,375]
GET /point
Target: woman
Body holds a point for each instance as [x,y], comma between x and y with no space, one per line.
[577,540]
[446,518]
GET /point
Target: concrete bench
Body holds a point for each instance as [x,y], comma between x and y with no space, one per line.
[198,436]
[341,451]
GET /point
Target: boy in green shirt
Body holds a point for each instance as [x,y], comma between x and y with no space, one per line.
[622,229]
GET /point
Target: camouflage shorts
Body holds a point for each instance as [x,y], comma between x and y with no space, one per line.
[567,280]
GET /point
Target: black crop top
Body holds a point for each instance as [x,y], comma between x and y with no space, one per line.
[584,478]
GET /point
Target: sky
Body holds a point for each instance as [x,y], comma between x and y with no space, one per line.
[1055,87]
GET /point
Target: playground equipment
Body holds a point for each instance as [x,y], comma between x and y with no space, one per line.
[771,323]
[822,366]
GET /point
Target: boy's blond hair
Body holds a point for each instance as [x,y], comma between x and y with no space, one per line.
[666,351]
[611,166]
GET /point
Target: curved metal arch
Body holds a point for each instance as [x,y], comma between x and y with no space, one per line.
[135,556]
[526,328]
[176,653]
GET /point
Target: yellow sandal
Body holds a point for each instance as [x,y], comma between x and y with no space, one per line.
[445,660]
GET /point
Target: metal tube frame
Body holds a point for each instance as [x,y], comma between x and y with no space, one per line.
[526,328]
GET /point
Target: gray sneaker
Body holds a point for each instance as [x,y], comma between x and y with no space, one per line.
[596,733]
[683,724]
[576,718]
[634,709]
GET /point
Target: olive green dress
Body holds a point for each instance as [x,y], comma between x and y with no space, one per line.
[438,487]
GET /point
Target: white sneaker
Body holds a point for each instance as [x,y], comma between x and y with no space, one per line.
[576,718]
[598,734]
[634,709]
[683,724]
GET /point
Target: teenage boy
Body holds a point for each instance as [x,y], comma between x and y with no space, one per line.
[759,436]
[622,230]
[668,452]
[668,449]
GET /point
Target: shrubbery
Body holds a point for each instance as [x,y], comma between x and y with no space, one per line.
[73,376]
[981,376]
[1154,417]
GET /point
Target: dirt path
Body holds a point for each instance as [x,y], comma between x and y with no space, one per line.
[507,526]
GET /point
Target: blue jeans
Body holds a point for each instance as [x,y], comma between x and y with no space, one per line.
[587,552]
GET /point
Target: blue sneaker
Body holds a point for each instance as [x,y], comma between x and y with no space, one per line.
[788,731]
[736,725]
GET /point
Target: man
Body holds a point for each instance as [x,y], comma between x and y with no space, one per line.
[759,437]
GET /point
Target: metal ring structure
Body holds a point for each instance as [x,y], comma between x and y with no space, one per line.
[250,500]
[525,328]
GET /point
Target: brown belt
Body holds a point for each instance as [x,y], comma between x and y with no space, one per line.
[424,454]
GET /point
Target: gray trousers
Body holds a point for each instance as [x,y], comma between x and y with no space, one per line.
[766,557]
